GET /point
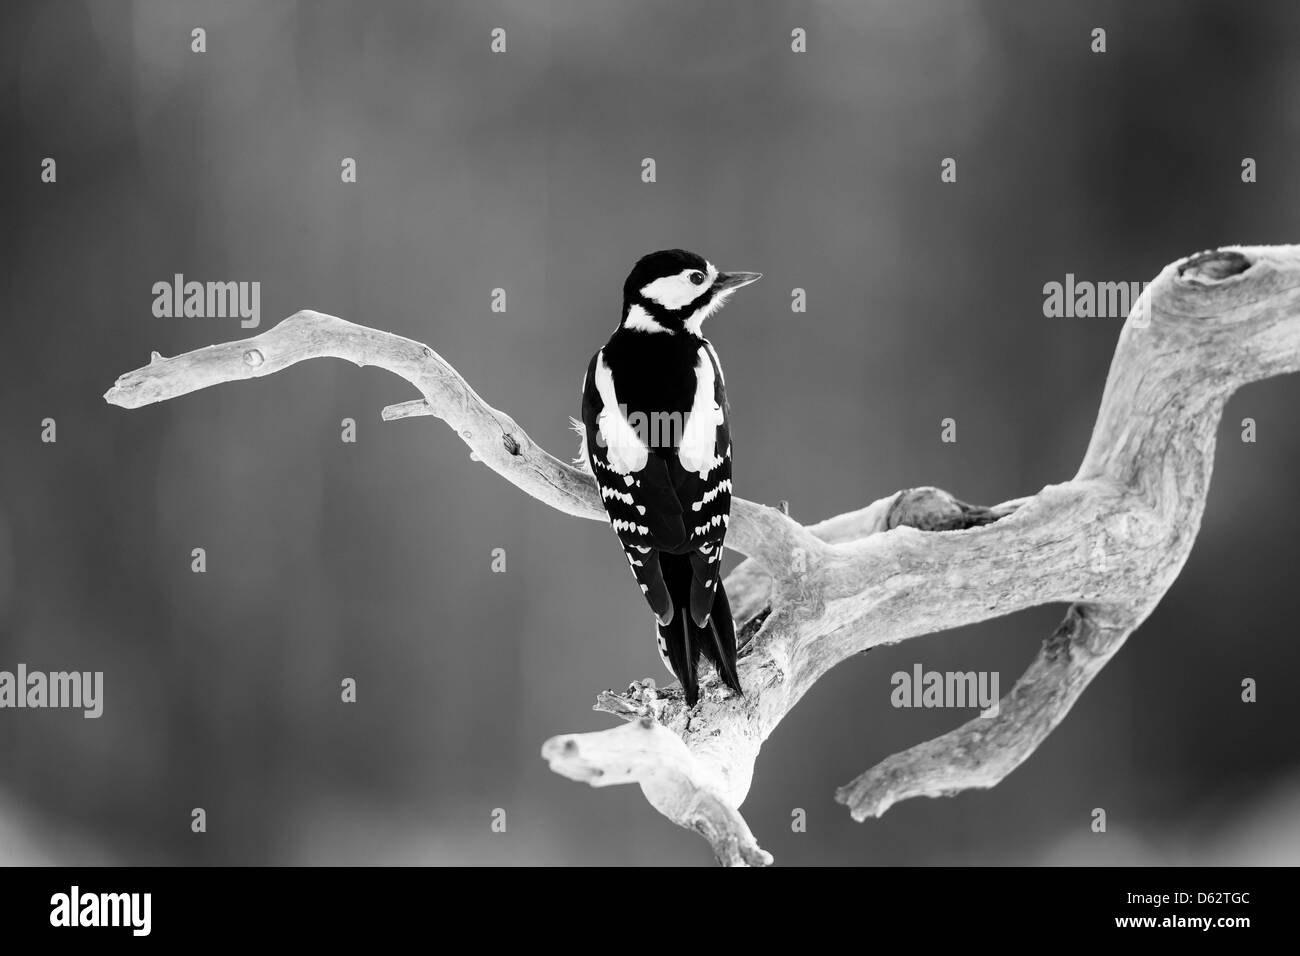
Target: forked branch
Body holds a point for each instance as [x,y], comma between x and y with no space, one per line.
[1109,542]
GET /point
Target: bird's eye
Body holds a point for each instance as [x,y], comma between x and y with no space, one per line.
[697,278]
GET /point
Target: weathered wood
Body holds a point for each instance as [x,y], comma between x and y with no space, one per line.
[1109,542]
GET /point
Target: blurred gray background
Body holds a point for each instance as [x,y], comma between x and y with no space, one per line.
[329,560]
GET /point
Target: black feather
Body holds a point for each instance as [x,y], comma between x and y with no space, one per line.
[686,641]
[723,630]
[671,522]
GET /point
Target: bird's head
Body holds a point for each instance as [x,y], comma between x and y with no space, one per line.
[675,290]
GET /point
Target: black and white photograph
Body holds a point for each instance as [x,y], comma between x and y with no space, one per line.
[649,434]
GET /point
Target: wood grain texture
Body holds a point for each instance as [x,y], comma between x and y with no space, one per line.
[1109,542]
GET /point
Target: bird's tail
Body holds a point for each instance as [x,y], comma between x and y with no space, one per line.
[685,640]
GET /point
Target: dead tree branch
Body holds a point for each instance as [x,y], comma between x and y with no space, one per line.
[1109,542]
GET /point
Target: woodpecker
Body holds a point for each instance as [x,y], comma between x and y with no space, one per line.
[657,438]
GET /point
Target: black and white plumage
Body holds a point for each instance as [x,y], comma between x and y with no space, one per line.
[657,438]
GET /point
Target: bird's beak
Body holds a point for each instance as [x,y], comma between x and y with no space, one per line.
[734,280]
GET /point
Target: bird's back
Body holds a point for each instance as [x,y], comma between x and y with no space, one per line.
[658,441]
[654,373]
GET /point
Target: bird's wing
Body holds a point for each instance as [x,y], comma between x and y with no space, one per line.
[703,484]
[641,502]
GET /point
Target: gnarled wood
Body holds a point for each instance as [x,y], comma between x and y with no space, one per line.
[1109,542]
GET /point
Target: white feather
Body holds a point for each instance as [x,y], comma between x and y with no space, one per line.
[675,292]
[700,435]
[639,320]
[623,447]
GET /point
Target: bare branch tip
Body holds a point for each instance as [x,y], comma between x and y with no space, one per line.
[1213,266]
[695,765]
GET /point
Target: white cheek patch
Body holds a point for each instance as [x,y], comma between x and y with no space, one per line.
[694,323]
[676,292]
[623,447]
[700,436]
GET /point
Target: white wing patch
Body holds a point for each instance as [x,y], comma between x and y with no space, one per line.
[723,485]
[714,522]
[623,447]
[607,492]
[700,436]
